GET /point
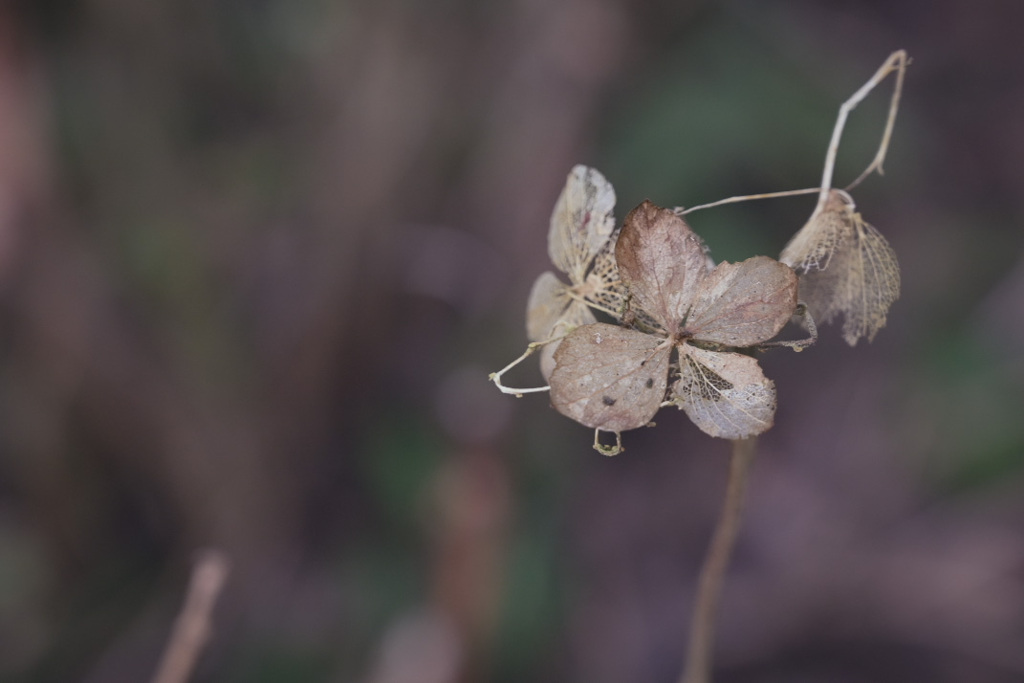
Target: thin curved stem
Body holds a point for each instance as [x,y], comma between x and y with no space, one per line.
[518,392]
[681,211]
[712,574]
[193,628]
[797,345]
[897,62]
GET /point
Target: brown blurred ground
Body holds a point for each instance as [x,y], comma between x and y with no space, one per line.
[257,258]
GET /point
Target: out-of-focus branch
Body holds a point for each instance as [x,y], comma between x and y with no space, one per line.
[192,629]
[712,575]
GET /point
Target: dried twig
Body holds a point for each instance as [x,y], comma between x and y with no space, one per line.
[518,393]
[702,628]
[192,628]
[897,62]
[682,211]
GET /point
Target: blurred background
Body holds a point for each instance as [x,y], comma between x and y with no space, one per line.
[257,258]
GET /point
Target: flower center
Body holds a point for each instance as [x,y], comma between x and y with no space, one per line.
[682,336]
[590,287]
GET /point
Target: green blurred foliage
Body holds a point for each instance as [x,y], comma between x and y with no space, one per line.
[974,405]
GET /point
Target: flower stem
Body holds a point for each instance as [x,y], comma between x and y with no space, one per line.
[712,574]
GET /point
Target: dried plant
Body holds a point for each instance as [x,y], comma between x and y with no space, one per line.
[580,244]
[846,267]
[845,264]
[614,378]
[684,331]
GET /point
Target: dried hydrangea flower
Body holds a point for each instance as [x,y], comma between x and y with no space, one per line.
[581,243]
[845,266]
[614,379]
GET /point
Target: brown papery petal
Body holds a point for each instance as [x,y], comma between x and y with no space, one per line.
[827,232]
[661,261]
[862,282]
[742,304]
[548,300]
[603,286]
[552,307]
[581,222]
[577,315]
[724,393]
[845,266]
[610,378]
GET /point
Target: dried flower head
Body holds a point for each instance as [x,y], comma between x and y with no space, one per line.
[845,266]
[581,245]
[614,379]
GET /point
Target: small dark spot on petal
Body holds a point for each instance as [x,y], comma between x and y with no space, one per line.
[650,382]
[608,400]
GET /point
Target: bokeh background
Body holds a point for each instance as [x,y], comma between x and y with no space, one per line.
[257,258]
